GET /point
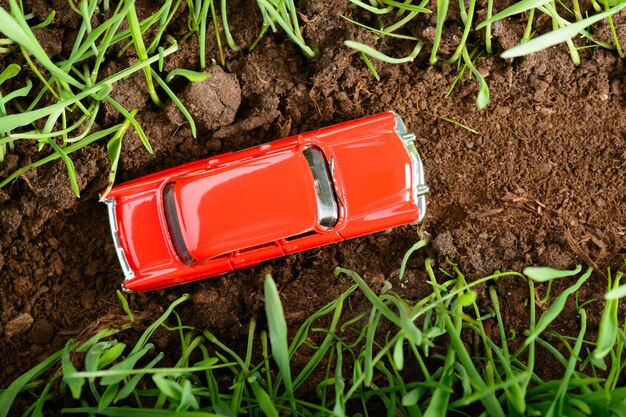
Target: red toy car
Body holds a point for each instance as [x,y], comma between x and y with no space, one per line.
[234,210]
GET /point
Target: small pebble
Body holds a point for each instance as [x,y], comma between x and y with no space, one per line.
[22,286]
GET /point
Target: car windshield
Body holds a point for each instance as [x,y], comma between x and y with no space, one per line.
[173,225]
[328,211]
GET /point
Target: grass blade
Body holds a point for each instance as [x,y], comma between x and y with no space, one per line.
[615,293]
[278,335]
[371,296]
[177,102]
[420,244]
[264,400]
[142,53]
[140,132]
[148,332]
[543,274]
[515,8]
[71,171]
[368,50]
[383,31]
[372,9]
[9,394]
[607,332]
[442,12]
[114,150]
[9,72]
[558,36]
[482,99]
[555,308]
[406,6]
[326,344]
[193,76]
[294,34]
[229,38]
[370,66]
[74,382]
[15,28]
[556,409]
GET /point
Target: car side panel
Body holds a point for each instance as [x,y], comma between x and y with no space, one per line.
[153,181]
[182,274]
[255,255]
[314,240]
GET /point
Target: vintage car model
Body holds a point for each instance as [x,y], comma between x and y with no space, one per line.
[234,210]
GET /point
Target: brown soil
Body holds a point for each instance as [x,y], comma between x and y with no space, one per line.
[544,181]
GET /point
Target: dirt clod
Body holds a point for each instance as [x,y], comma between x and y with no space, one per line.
[41,333]
[22,286]
[213,102]
[18,325]
[444,244]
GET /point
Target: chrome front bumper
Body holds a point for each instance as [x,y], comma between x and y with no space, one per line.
[420,189]
[128,272]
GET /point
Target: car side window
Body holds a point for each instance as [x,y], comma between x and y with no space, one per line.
[173,225]
[328,210]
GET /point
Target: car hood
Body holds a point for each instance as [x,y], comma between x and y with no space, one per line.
[246,204]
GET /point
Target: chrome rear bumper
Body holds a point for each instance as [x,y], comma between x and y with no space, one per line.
[121,256]
[420,188]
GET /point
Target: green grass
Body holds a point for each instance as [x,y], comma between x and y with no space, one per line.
[284,14]
[407,357]
[66,96]
[198,20]
[57,105]
[393,17]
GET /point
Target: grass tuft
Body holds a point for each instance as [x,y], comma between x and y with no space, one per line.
[560,35]
[409,357]
[392,16]
[283,13]
[72,87]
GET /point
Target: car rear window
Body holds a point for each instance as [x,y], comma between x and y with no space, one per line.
[173,225]
[327,208]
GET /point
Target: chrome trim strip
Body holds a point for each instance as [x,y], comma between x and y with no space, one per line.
[420,188]
[121,256]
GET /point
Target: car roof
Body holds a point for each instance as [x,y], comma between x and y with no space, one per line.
[246,204]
